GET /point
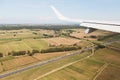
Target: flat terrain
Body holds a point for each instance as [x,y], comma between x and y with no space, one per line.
[86,69]
[111,72]
[23,45]
[36,72]
[46,56]
[20,61]
[89,68]
[23,33]
[10,62]
[79,33]
[20,40]
[104,64]
[61,41]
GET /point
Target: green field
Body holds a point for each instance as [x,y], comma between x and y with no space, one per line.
[36,72]
[112,72]
[83,70]
[20,40]
[23,45]
[86,69]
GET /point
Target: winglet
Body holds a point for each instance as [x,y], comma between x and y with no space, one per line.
[60,16]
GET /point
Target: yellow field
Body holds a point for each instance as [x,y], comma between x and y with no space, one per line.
[86,69]
[110,73]
[52,32]
[83,70]
[89,68]
[61,41]
[19,61]
[36,72]
[1,68]
[48,55]
[15,62]
[23,33]
[80,33]
[24,45]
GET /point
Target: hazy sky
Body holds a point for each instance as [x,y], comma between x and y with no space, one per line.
[38,11]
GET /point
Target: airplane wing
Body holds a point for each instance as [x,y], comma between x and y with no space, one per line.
[103,25]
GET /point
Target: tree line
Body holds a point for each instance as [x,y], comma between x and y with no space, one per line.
[53,49]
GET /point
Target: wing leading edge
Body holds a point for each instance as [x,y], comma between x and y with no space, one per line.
[103,25]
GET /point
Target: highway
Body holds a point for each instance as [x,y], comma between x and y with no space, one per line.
[44,62]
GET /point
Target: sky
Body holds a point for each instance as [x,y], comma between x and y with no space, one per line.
[39,11]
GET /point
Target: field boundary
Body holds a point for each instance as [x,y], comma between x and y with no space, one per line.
[57,69]
[101,70]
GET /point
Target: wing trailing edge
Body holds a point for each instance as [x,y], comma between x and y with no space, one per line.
[103,25]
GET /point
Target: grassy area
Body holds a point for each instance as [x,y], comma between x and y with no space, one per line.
[116,44]
[36,43]
[6,58]
[23,33]
[35,72]
[110,73]
[10,62]
[20,40]
[107,55]
[84,70]
[87,69]
[111,38]
[23,45]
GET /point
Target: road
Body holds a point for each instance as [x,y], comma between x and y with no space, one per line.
[66,65]
[44,62]
[48,61]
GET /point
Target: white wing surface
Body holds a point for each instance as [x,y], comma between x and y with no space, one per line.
[103,25]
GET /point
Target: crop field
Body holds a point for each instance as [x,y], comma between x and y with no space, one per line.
[49,55]
[1,68]
[108,55]
[83,70]
[116,44]
[110,73]
[52,32]
[36,72]
[88,69]
[81,34]
[23,33]
[10,62]
[20,61]
[76,67]
[20,40]
[84,43]
[24,45]
[61,41]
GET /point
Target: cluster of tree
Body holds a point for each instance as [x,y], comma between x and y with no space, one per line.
[66,34]
[74,37]
[35,33]
[99,46]
[61,48]
[19,53]
[103,38]
[1,54]
[49,27]
[70,31]
[47,36]
[92,36]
